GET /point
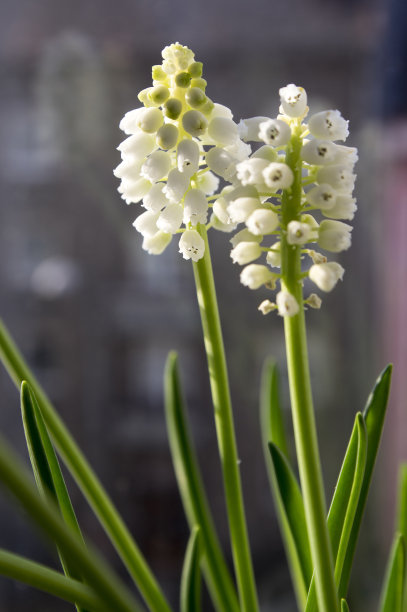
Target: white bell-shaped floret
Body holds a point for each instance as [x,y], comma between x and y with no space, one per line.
[137,146]
[347,156]
[221,162]
[298,233]
[128,169]
[249,172]
[344,208]
[322,196]
[191,245]
[170,219]
[293,100]
[339,176]
[219,110]
[223,130]
[156,244]
[274,255]
[195,123]
[129,124]
[319,152]
[188,156]
[266,152]
[134,191]
[195,207]
[239,149]
[156,166]
[277,176]
[287,305]
[326,275]
[167,136]
[274,132]
[245,252]
[146,223]
[244,236]
[208,183]
[328,125]
[256,275]
[240,209]
[155,199]
[334,236]
[249,128]
[177,184]
[220,208]
[262,222]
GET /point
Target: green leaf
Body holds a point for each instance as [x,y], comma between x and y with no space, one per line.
[344,502]
[47,472]
[373,414]
[192,491]
[391,599]
[401,522]
[272,431]
[191,575]
[344,606]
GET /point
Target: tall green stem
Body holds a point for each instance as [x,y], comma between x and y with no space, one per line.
[205,287]
[301,396]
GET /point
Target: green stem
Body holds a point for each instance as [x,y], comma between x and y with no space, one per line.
[85,478]
[301,397]
[48,580]
[208,307]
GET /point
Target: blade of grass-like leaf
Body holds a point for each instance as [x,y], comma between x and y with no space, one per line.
[191,575]
[46,469]
[272,431]
[46,579]
[373,414]
[46,515]
[401,523]
[85,477]
[192,491]
[391,599]
[344,606]
[344,502]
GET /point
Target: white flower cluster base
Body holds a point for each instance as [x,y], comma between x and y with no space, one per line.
[180,145]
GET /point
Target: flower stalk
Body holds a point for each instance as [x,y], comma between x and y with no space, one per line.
[208,307]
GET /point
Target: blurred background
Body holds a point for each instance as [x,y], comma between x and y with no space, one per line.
[96,316]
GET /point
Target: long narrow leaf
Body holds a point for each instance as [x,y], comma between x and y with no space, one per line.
[46,579]
[44,512]
[373,414]
[391,599]
[344,606]
[191,575]
[192,491]
[85,477]
[272,432]
[401,522]
[46,469]
[344,502]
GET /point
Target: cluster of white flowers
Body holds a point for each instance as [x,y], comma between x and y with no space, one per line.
[165,158]
[265,187]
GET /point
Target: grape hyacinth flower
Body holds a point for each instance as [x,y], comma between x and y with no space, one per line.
[178,145]
[293,192]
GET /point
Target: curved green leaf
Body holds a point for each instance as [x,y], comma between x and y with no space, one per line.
[401,522]
[373,414]
[391,599]
[191,575]
[271,414]
[344,606]
[192,491]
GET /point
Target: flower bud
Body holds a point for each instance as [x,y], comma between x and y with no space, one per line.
[287,304]
[245,252]
[195,97]
[329,125]
[155,245]
[158,73]
[195,207]
[150,120]
[221,162]
[278,176]
[262,221]
[188,157]
[191,245]
[199,82]
[326,275]
[194,123]
[293,100]
[334,236]
[183,79]
[167,136]
[195,69]
[256,275]
[274,132]
[172,108]
[170,219]
[159,94]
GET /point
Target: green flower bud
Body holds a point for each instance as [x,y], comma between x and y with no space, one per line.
[194,123]
[159,94]
[208,107]
[167,136]
[172,108]
[144,96]
[195,69]
[158,73]
[195,97]
[183,79]
[201,83]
